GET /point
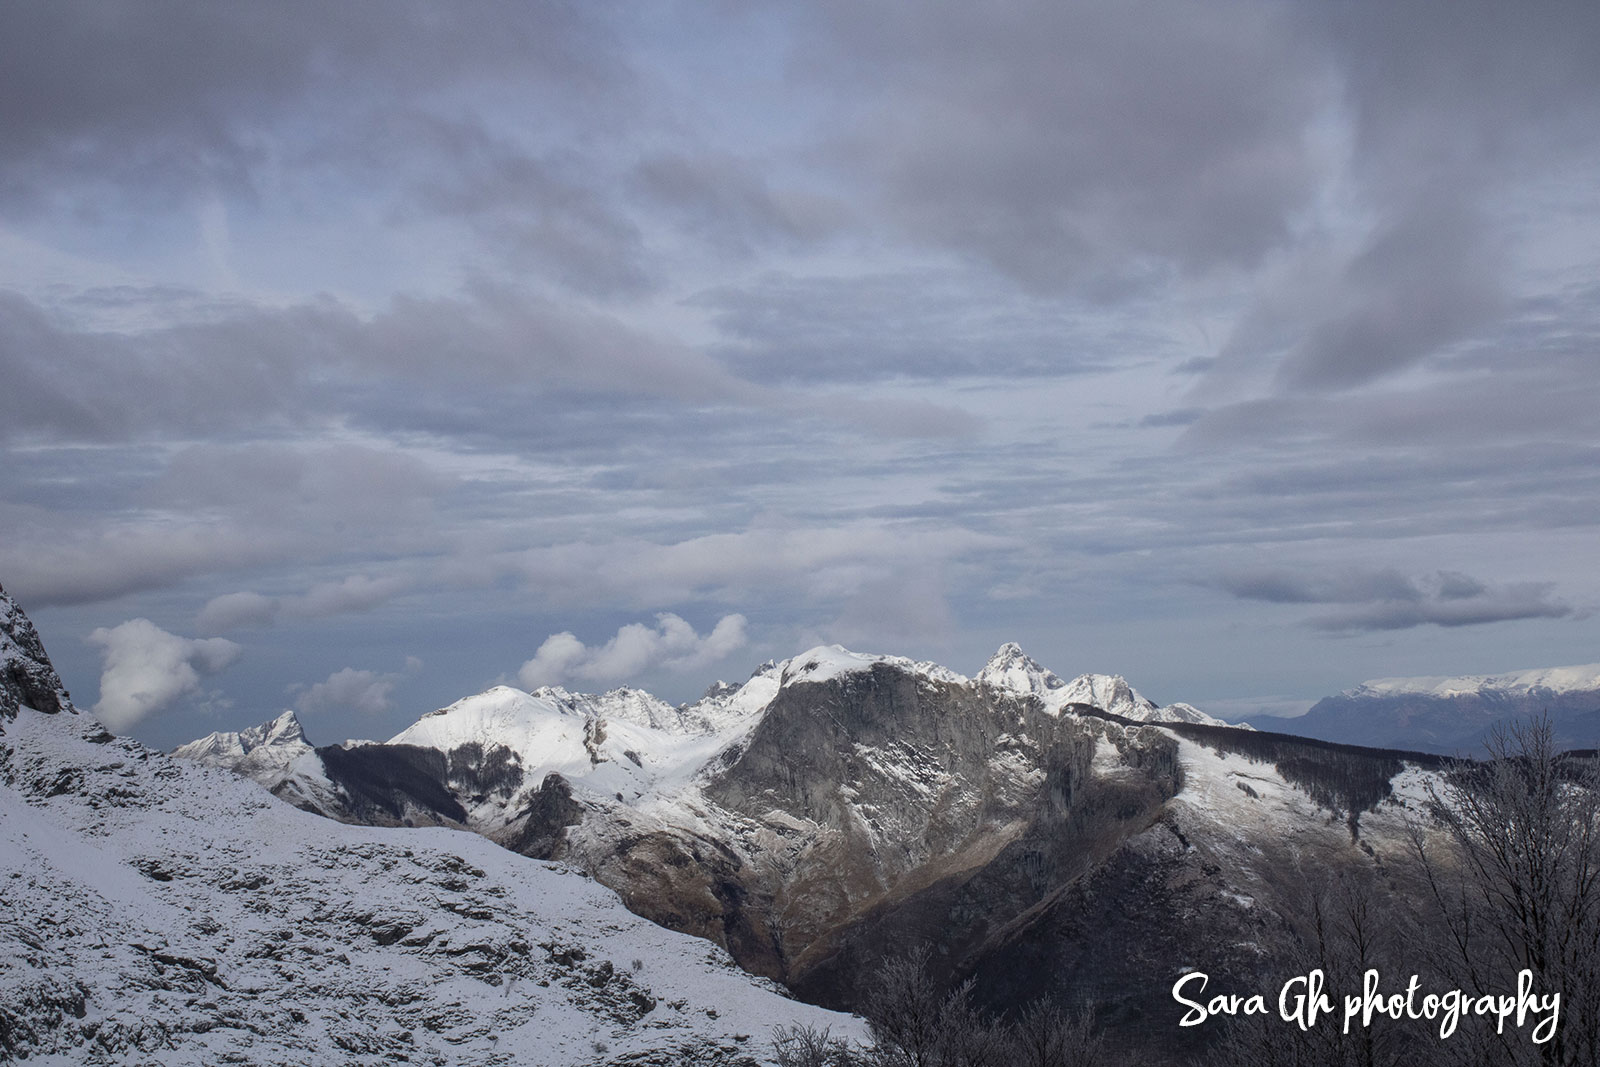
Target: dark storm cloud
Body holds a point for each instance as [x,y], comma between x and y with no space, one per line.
[1066,143]
[1389,600]
[166,95]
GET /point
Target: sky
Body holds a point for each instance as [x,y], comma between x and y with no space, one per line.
[356,357]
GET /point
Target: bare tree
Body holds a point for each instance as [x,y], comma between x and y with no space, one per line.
[915,1023]
[807,1046]
[1520,886]
[1342,928]
[1044,1035]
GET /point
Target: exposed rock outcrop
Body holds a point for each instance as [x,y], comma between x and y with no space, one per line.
[26,677]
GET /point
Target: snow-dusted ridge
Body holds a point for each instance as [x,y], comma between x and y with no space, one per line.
[1460,714]
[260,752]
[626,746]
[1013,670]
[1581,678]
[826,662]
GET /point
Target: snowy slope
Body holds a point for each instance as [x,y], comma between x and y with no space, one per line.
[624,705]
[154,910]
[599,756]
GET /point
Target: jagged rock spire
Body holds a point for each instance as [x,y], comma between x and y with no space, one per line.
[27,679]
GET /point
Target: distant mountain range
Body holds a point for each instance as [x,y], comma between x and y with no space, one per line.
[1454,716]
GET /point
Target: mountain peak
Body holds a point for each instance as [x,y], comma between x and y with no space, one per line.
[827,662]
[1012,669]
[259,752]
[1010,654]
[285,729]
[27,678]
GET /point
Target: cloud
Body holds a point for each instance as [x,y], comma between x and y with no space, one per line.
[536,213]
[1332,586]
[1430,279]
[1515,600]
[671,644]
[357,593]
[920,325]
[235,611]
[1388,600]
[79,563]
[184,96]
[732,203]
[266,368]
[1019,133]
[1175,417]
[905,609]
[349,689]
[819,563]
[146,669]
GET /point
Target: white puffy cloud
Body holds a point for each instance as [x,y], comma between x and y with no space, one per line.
[671,644]
[146,669]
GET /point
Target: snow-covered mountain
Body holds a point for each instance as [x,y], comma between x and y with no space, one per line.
[1453,715]
[260,753]
[1012,669]
[156,910]
[1052,838]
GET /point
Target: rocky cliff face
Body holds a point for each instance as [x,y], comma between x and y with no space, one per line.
[27,680]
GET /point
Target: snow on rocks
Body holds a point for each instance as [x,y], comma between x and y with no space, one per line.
[156,909]
[1013,670]
[262,753]
[826,662]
